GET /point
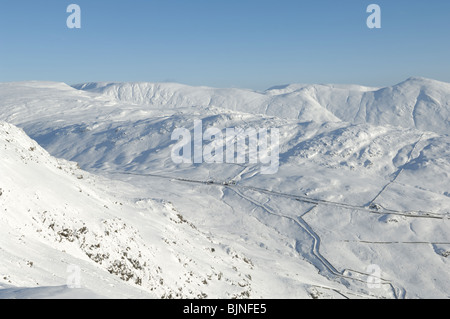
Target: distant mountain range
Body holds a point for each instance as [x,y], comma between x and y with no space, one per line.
[418,103]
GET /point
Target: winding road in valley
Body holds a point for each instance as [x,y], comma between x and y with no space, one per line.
[314,256]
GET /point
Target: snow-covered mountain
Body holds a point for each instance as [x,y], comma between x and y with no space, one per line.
[415,103]
[363,180]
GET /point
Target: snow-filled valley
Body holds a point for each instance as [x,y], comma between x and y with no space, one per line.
[88,188]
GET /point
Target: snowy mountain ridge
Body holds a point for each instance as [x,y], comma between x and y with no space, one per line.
[418,103]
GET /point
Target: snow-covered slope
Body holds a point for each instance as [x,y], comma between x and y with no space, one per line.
[51,219]
[56,218]
[415,103]
[348,194]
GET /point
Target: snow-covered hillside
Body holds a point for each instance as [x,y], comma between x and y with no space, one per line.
[51,218]
[56,217]
[363,180]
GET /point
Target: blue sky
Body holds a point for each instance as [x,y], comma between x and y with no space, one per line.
[225,43]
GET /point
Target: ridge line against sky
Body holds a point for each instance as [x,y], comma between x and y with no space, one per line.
[253,44]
